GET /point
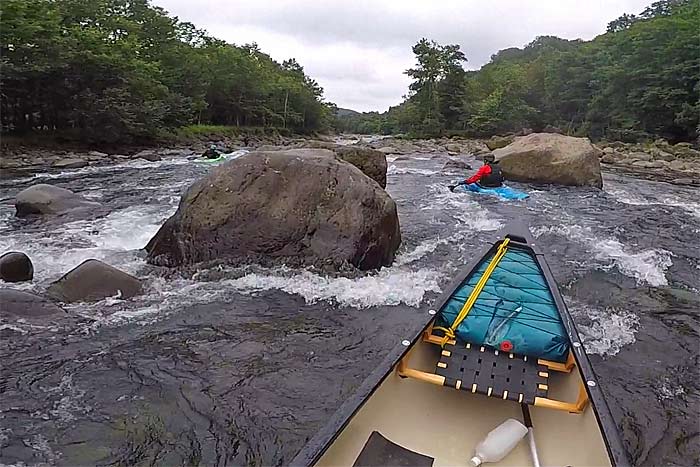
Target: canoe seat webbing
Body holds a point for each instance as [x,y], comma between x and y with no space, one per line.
[379,451]
[493,373]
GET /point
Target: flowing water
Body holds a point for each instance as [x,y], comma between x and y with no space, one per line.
[242,366]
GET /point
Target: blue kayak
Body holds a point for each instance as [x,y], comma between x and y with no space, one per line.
[503,191]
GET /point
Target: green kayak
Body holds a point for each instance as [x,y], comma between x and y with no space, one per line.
[221,158]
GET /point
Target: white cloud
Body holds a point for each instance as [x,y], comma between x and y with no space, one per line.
[358,50]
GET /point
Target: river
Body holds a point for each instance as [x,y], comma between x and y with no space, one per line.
[241,366]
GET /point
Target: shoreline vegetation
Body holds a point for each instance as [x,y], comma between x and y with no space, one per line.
[84,83]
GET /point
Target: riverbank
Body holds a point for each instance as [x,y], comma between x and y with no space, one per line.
[30,154]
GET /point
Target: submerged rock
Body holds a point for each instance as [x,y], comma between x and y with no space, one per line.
[299,207]
[49,199]
[25,304]
[551,158]
[94,280]
[16,267]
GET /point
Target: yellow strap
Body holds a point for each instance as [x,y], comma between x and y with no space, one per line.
[450,332]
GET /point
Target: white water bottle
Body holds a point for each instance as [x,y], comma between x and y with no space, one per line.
[499,442]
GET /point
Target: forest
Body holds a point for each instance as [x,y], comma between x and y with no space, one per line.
[124,70]
[637,81]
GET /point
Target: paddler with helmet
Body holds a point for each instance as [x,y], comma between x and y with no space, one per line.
[489,175]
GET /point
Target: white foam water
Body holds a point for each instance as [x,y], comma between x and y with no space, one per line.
[603,332]
[390,286]
[114,239]
[467,213]
[393,170]
[658,199]
[646,266]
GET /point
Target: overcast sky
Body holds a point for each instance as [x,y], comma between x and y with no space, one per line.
[358,49]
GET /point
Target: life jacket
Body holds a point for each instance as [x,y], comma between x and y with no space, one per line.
[494,179]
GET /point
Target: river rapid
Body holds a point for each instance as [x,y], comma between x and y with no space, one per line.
[242,366]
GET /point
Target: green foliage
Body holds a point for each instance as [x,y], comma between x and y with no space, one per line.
[640,80]
[119,70]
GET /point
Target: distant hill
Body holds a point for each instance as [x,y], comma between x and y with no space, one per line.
[346,112]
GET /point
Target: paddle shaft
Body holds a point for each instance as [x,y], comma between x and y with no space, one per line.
[530,435]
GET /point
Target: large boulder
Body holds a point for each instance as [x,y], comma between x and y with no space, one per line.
[94,280]
[25,305]
[297,207]
[551,158]
[49,199]
[370,161]
[16,267]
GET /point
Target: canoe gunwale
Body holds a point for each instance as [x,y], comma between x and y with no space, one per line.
[519,238]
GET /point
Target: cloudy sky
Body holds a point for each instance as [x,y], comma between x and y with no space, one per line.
[358,49]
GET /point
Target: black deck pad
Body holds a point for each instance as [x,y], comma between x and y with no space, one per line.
[379,451]
[493,372]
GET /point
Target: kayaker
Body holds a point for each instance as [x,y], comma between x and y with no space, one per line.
[489,175]
[211,153]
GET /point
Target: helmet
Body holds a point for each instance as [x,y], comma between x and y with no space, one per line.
[489,157]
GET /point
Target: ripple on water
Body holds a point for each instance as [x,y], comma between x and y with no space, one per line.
[603,331]
[646,267]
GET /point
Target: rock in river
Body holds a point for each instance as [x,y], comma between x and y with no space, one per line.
[70,163]
[94,280]
[25,304]
[551,158]
[370,161]
[456,164]
[16,267]
[49,199]
[297,207]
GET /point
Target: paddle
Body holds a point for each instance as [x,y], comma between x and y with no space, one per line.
[452,187]
[530,435]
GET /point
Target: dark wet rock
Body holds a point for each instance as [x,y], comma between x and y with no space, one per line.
[295,207]
[49,199]
[16,267]
[456,164]
[370,161]
[70,163]
[94,280]
[25,305]
[551,158]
